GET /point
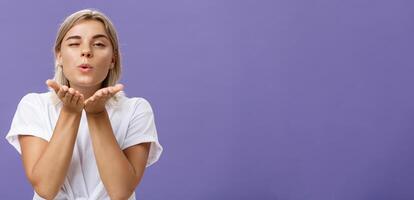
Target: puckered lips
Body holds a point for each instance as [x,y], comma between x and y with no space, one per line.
[85,67]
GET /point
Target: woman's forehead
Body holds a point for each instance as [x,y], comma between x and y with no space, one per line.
[87,29]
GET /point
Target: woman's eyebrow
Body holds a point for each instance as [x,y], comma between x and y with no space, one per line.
[94,37]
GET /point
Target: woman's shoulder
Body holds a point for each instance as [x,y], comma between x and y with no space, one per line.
[37,98]
[133,103]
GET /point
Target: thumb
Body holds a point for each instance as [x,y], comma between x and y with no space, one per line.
[118,87]
[53,84]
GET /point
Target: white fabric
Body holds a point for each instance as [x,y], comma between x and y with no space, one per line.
[132,121]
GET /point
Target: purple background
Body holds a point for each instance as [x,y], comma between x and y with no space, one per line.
[270,100]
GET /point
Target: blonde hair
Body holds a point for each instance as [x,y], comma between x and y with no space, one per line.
[89,14]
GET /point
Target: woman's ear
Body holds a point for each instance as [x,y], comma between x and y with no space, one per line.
[113,62]
[59,58]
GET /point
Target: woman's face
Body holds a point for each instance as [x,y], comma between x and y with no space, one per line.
[86,54]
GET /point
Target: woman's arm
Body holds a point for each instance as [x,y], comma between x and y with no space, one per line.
[46,163]
[120,171]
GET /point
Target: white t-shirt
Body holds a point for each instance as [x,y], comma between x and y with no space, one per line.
[132,121]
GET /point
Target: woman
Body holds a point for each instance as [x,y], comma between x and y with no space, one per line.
[85,139]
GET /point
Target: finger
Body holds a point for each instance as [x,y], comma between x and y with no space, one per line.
[111,93]
[69,95]
[53,84]
[99,94]
[89,100]
[118,87]
[81,100]
[62,92]
[79,95]
[65,88]
[106,93]
[114,89]
[107,96]
[75,97]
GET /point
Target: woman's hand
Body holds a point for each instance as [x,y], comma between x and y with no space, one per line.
[73,100]
[96,103]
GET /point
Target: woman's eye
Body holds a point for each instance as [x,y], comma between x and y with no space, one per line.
[99,44]
[73,44]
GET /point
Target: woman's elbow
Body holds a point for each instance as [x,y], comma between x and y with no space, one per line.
[45,192]
[121,195]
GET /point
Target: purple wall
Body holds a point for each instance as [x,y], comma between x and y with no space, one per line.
[286,100]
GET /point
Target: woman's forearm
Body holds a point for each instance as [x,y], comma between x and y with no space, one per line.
[50,170]
[116,172]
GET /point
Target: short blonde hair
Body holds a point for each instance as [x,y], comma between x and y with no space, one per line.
[89,14]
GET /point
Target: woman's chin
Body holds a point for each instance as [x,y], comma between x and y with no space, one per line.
[85,83]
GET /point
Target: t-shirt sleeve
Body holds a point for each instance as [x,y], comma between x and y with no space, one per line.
[27,121]
[141,129]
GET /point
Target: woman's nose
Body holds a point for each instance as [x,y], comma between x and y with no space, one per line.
[86,53]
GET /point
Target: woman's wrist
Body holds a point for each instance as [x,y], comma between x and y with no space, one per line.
[96,113]
[70,110]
